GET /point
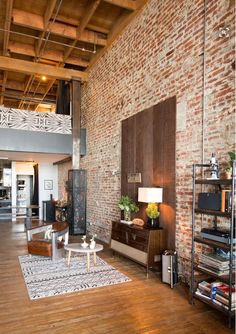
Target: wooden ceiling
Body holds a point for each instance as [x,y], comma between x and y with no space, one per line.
[44,41]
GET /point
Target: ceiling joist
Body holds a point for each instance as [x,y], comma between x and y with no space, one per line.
[36,22]
[127,4]
[54,55]
[23,66]
[79,31]
[58,39]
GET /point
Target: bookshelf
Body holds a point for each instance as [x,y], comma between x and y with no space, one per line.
[216,262]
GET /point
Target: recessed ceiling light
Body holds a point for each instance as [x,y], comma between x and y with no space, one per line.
[44,78]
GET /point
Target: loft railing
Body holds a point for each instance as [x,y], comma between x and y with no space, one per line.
[34,121]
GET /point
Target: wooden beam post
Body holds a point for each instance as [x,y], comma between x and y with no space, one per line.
[76,115]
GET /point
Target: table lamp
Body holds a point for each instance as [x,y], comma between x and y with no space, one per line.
[152,196]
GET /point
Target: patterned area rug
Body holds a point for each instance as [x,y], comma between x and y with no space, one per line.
[45,278]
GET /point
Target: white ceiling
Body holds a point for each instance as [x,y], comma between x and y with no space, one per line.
[36,157]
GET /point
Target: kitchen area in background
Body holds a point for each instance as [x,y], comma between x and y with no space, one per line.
[5,189]
[17,185]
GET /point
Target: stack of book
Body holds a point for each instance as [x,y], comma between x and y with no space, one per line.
[218,293]
[204,289]
[214,264]
[222,296]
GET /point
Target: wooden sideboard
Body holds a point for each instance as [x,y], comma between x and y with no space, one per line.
[140,244]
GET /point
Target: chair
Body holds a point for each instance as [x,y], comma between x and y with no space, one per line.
[48,240]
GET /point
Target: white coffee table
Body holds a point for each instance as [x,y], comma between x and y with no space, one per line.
[76,247]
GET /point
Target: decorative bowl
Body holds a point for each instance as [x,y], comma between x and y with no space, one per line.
[84,245]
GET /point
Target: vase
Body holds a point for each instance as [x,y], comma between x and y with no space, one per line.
[153,222]
[127,215]
[92,244]
[84,244]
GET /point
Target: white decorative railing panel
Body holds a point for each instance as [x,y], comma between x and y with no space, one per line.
[34,121]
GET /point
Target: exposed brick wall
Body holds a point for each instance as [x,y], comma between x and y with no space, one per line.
[161,55]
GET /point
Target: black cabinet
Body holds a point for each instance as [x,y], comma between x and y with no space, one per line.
[49,211]
[76,201]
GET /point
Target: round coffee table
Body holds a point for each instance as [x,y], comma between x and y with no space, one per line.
[76,247]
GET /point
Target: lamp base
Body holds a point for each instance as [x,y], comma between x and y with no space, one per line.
[153,223]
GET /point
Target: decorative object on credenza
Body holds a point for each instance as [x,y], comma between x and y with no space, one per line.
[127,205]
[92,241]
[84,244]
[213,167]
[229,168]
[138,222]
[152,196]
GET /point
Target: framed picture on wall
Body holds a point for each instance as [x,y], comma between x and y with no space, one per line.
[48,184]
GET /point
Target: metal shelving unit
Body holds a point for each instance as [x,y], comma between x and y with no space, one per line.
[230,216]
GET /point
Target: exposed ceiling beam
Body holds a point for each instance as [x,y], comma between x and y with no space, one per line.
[73,22]
[49,11]
[3,87]
[9,4]
[54,55]
[88,13]
[127,4]
[36,22]
[23,66]
[7,25]
[33,99]
[37,96]
[118,29]
[47,15]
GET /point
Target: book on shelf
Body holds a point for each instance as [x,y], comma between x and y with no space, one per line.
[223,290]
[226,196]
[206,288]
[225,300]
[200,294]
[212,264]
[217,302]
[212,270]
[215,258]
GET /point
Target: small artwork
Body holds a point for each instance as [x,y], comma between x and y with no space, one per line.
[48,184]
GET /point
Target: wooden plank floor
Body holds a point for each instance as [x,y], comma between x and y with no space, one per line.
[141,306]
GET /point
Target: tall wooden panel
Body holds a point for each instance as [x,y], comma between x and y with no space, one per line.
[164,138]
[148,147]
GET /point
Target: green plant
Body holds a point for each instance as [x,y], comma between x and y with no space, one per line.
[152,211]
[127,204]
[93,237]
[232,156]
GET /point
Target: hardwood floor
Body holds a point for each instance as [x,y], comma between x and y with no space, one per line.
[137,307]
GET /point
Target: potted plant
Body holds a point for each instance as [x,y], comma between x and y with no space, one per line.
[152,213]
[127,205]
[228,170]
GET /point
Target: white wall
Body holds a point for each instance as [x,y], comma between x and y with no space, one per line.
[47,172]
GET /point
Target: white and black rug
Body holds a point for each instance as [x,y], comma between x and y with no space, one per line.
[46,278]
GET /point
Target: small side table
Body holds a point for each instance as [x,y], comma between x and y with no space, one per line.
[76,247]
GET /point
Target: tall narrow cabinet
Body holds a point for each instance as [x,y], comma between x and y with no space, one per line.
[202,273]
[76,204]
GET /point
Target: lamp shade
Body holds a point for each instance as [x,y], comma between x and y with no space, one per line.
[150,195]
